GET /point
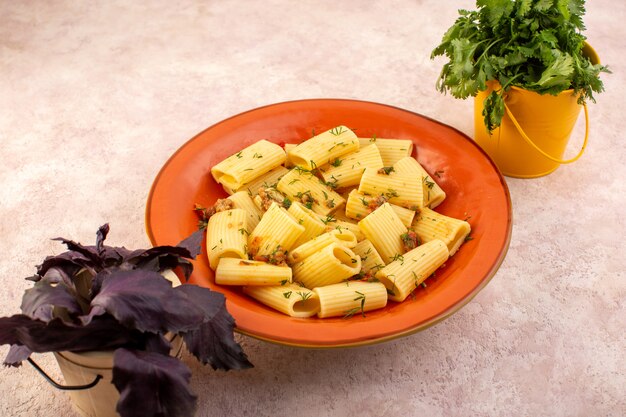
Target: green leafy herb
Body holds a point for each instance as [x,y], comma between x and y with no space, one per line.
[336,131]
[360,297]
[304,295]
[287,294]
[336,162]
[532,44]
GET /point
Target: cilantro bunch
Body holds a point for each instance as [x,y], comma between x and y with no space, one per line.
[532,44]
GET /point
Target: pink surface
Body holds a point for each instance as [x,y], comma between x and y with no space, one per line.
[94,98]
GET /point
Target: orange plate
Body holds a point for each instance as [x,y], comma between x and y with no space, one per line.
[474,187]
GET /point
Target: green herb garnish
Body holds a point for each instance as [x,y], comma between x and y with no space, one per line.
[532,44]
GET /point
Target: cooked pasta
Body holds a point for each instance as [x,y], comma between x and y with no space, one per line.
[291,299]
[383,228]
[341,237]
[236,271]
[324,148]
[432,194]
[347,228]
[303,186]
[391,150]
[227,234]
[398,188]
[371,261]
[359,205]
[277,231]
[408,271]
[313,226]
[248,164]
[350,298]
[431,225]
[348,170]
[334,263]
[242,200]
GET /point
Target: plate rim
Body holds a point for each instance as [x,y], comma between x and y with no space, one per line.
[367,341]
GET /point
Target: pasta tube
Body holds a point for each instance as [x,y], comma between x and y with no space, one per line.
[236,271]
[226,236]
[324,148]
[340,237]
[304,187]
[383,228]
[350,298]
[334,224]
[248,164]
[405,274]
[347,171]
[398,188]
[313,226]
[432,193]
[359,205]
[429,225]
[276,228]
[242,200]
[267,180]
[331,265]
[290,299]
[371,261]
[288,149]
[391,150]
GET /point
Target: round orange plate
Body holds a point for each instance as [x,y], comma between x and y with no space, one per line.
[475,191]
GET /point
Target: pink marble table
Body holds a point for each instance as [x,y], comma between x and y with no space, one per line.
[95,96]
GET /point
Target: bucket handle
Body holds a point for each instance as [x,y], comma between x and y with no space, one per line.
[64,387]
[550,157]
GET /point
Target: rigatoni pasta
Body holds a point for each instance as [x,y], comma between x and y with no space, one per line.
[277,231]
[341,237]
[324,148]
[291,299]
[350,298]
[391,150]
[227,236]
[236,271]
[431,225]
[313,226]
[371,261]
[267,180]
[345,230]
[348,170]
[242,200]
[333,263]
[432,194]
[408,271]
[303,186]
[397,188]
[248,164]
[383,228]
[359,205]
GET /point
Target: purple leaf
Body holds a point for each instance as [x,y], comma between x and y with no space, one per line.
[70,262]
[146,301]
[39,302]
[213,341]
[151,385]
[101,235]
[193,243]
[101,333]
[16,355]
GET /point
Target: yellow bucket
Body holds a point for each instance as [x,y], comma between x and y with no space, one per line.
[535,129]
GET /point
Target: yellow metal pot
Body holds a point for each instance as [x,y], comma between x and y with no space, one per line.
[535,129]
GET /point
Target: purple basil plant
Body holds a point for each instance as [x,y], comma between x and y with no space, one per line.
[101,297]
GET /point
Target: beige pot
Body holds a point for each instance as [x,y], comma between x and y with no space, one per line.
[83,368]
